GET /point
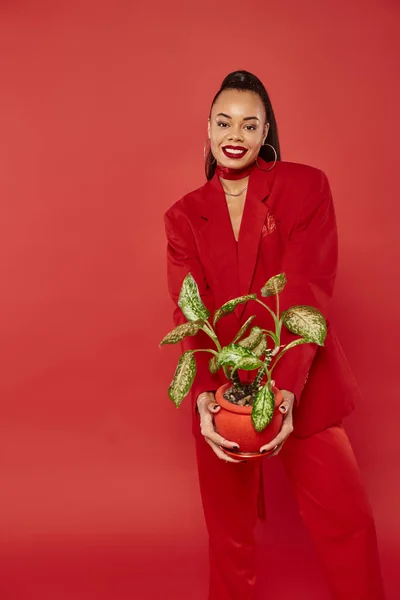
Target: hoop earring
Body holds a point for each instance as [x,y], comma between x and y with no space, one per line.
[208,152]
[276,158]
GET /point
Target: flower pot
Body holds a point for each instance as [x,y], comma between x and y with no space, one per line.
[234,423]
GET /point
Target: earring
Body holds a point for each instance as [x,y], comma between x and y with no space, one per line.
[276,158]
[207,152]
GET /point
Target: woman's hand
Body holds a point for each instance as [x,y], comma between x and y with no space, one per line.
[207,408]
[286,408]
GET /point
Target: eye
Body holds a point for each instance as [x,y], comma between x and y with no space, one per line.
[222,124]
[251,127]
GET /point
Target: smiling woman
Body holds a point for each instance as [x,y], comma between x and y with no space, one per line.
[237,137]
[257,216]
[239,110]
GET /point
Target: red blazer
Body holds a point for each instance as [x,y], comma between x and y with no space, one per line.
[288,225]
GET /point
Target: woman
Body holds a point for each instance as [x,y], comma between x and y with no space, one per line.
[254,218]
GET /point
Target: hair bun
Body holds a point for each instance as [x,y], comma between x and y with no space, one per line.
[243,80]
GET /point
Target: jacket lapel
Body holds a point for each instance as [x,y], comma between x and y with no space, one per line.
[253,219]
[219,240]
[235,261]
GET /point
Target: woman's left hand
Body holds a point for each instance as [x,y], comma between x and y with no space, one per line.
[286,408]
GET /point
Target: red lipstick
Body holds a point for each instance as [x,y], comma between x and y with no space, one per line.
[234,151]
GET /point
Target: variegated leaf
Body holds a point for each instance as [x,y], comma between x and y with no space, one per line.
[274,285]
[230,306]
[190,301]
[243,329]
[307,322]
[297,342]
[213,364]
[253,339]
[263,408]
[182,331]
[260,349]
[183,378]
[238,357]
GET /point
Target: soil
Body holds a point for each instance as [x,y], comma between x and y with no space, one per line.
[241,396]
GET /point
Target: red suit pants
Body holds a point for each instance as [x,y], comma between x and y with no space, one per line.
[333,505]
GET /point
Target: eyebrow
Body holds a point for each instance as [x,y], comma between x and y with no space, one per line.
[245,118]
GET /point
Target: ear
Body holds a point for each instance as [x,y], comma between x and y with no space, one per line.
[266,129]
[209,128]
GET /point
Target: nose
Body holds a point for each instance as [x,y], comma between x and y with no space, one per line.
[235,134]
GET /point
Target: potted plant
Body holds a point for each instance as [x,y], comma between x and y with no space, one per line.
[248,414]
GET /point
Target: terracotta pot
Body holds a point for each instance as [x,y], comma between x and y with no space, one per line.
[234,423]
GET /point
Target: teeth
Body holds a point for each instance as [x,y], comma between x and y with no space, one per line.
[230,151]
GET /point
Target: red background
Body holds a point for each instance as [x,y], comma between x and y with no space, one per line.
[103,110]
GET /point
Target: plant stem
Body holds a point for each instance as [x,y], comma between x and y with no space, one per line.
[215,354]
[277,306]
[271,312]
[286,348]
[208,329]
[271,335]
[235,379]
[258,379]
[205,350]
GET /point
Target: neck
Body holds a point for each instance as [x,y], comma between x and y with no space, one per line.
[235,189]
[233,174]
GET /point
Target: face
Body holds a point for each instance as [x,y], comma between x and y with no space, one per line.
[237,128]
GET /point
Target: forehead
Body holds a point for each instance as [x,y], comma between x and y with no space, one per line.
[239,104]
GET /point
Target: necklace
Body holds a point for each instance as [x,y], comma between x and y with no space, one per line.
[230,194]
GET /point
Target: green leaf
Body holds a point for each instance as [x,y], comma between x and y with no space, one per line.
[213,364]
[183,378]
[243,329]
[260,349]
[253,339]
[274,286]
[182,331]
[190,301]
[238,357]
[263,408]
[307,322]
[297,342]
[230,306]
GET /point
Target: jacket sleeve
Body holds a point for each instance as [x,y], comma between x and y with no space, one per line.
[310,263]
[182,258]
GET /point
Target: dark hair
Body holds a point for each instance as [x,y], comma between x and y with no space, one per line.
[243,80]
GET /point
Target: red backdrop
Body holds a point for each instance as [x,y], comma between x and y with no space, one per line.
[103,110]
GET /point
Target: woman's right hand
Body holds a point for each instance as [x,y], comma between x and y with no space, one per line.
[207,408]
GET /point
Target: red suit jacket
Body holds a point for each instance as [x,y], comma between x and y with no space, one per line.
[289,226]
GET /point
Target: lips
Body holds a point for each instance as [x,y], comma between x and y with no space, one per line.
[234,152]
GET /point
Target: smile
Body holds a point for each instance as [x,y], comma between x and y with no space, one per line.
[234,151]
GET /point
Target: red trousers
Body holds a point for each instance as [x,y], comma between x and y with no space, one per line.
[326,480]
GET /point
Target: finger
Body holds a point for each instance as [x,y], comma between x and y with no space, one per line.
[213,407]
[208,430]
[206,417]
[220,453]
[280,438]
[275,452]
[215,437]
[275,443]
